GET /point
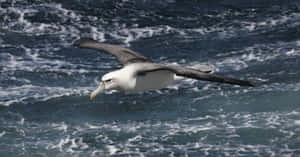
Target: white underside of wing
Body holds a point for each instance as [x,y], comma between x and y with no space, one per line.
[130,82]
[154,80]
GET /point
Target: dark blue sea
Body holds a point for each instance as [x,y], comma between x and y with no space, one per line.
[45,81]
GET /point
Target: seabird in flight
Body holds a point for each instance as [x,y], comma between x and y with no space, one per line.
[140,74]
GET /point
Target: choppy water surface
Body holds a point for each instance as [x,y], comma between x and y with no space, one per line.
[45,82]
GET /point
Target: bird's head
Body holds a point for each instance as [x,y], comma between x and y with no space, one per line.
[108,82]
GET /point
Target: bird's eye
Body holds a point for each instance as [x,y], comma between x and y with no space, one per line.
[109,80]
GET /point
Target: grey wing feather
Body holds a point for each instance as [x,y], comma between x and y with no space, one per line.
[193,73]
[124,55]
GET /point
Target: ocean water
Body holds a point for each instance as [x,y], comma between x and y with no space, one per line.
[45,81]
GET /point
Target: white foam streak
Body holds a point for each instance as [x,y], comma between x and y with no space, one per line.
[2,133]
[69,145]
[293,53]
[61,127]
[128,35]
[32,62]
[140,143]
[22,93]
[112,149]
[271,22]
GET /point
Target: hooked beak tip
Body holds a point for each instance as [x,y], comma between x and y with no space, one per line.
[92,96]
[100,88]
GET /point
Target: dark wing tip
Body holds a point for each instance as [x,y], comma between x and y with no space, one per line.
[251,84]
[80,42]
[246,83]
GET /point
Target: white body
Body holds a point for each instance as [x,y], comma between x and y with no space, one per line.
[153,81]
[127,79]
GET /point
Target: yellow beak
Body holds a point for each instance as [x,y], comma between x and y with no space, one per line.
[100,88]
[92,96]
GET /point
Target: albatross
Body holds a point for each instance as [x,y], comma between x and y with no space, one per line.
[139,73]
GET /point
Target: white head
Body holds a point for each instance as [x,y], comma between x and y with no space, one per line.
[109,81]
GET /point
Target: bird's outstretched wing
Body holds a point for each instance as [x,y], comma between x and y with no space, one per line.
[191,73]
[124,55]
